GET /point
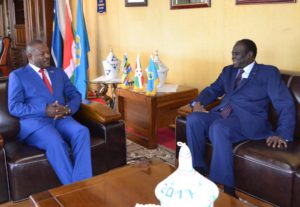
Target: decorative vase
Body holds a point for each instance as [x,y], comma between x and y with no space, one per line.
[162,70]
[111,66]
[185,186]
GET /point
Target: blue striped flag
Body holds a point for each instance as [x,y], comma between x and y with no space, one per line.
[82,49]
[56,47]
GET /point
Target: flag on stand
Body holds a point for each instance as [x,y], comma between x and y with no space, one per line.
[153,79]
[56,48]
[69,44]
[126,72]
[82,49]
[138,76]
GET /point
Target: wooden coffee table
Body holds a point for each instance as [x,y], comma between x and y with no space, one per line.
[121,187]
[145,114]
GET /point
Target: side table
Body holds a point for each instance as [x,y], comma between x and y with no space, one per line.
[103,84]
[145,114]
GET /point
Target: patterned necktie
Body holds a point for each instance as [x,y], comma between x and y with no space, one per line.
[227,108]
[45,79]
[238,78]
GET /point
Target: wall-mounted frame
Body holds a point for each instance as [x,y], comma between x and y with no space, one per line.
[263,1]
[189,4]
[129,3]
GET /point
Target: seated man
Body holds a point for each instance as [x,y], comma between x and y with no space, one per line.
[43,98]
[248,88]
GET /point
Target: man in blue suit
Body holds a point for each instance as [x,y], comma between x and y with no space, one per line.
[43,98]
[247,89]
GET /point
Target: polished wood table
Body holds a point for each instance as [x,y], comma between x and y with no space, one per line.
[145,114]
[122,187]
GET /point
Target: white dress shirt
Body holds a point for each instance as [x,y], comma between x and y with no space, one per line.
[37,69]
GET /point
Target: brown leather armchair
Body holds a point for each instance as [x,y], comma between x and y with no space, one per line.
[27,169]
[4,56]
[3,175]
[272,175]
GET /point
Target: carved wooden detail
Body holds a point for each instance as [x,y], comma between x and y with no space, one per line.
[29,20]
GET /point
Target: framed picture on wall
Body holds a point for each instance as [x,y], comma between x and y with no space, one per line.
[188,4]
[129,3]
[263,1]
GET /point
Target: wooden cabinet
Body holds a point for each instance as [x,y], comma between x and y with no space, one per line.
[29,20]
[145,114]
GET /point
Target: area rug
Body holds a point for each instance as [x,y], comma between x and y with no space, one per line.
[166,136]
[136,153]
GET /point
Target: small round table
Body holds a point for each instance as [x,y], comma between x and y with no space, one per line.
[102,87]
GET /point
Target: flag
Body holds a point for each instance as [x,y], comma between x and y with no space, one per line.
[126,72]
[153,79]
[138,76]
[82,49]
[56,47]
[69,44]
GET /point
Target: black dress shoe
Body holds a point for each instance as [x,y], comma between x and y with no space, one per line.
[230,191]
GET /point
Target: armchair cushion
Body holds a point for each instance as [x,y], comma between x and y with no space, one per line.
[186,109]
[99,113]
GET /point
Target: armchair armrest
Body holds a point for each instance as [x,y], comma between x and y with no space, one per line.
[1,142]
[186,109]
[98,112]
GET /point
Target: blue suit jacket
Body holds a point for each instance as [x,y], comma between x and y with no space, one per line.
[250,101]
[28,97]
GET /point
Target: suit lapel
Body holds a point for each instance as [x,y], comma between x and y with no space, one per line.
[37,81]
[246,80]
[53,80]
[232,78]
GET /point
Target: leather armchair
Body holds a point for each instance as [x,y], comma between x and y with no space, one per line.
[4,56]
[272,175]
[28,170]
[4,196]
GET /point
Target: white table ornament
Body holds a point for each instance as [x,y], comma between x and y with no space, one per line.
[185,186]
[162,70]
[111,66]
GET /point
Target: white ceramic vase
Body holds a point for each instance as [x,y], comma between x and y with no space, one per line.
[185,186]
[162,70]
[111,66]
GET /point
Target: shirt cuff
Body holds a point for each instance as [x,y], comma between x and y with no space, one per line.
[192,104]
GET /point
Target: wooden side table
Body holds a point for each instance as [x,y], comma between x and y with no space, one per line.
[145,114]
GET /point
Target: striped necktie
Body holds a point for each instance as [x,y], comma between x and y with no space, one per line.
[225,112]
[238,78]
[45,79]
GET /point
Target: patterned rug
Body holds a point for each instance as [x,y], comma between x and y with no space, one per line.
[137,153]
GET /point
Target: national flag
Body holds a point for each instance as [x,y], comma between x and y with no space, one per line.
[82,49]
[56,48]
[138,76]
[153,79]
[126,72]
[69,44]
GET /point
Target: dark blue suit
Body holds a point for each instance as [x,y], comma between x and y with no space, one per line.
[28,98]
[250,103]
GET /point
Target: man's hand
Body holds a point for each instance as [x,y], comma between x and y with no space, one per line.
[199,108]
[276,142]
[55,110]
